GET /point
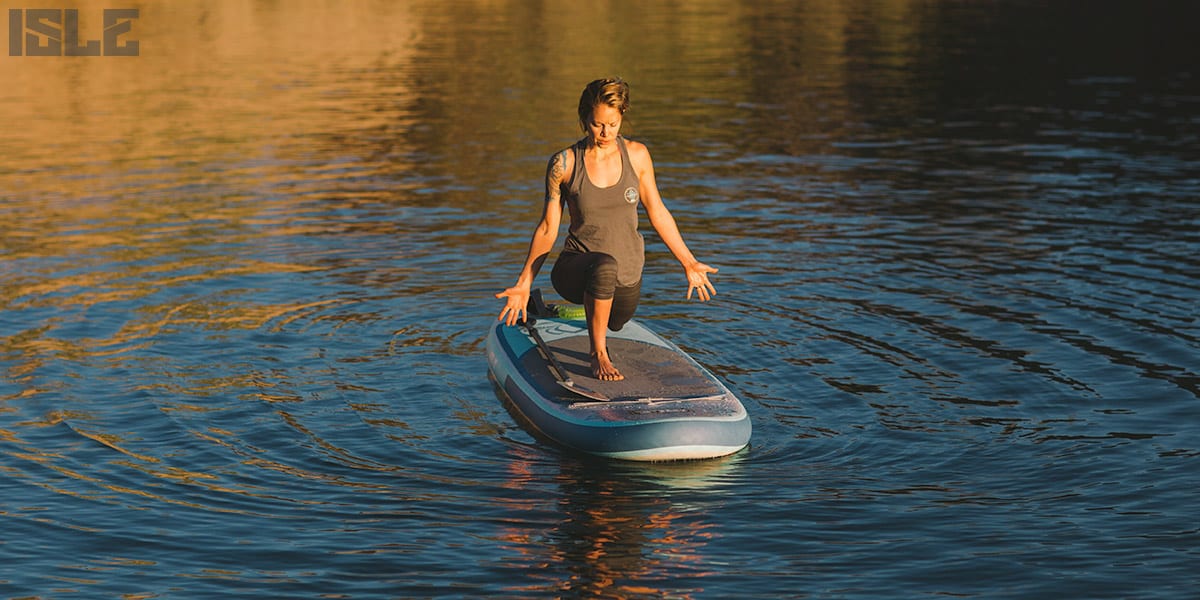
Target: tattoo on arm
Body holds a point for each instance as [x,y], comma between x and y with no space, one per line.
[554,176]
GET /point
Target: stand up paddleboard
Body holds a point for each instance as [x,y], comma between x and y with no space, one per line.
[668,407]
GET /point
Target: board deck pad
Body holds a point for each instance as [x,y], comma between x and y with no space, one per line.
[650,371]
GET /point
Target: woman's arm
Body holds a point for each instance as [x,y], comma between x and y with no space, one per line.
[542,242]
[697,272]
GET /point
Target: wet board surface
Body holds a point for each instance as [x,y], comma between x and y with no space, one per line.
[650,370]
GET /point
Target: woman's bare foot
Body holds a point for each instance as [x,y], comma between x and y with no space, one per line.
[602,368]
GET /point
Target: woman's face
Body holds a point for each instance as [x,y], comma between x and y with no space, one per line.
[604,125]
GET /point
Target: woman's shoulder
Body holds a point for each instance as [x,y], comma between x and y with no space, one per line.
[634,146]
[569,152]
[638,152]
[562,164]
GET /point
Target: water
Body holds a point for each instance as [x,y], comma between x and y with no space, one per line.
[245,279]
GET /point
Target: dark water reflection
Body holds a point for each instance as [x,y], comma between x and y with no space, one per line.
[245,278]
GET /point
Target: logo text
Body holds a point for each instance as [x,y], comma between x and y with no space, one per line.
[55,32]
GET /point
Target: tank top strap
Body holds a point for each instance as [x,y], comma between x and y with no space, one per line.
[626,164]
[577,172]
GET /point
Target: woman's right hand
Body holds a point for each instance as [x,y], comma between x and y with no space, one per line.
[515,306]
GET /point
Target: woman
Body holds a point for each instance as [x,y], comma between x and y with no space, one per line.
[601,179]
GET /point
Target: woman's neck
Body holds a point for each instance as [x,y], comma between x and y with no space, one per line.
[602,152]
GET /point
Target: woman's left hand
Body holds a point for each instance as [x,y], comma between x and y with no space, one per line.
[697,274]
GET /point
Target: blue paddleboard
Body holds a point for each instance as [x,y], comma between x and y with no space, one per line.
[668,407]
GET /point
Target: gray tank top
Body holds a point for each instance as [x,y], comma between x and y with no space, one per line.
[606,219]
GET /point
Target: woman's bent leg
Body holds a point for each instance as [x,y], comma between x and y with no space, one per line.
[590,279]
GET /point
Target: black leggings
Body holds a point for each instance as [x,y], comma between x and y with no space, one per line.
[596,274]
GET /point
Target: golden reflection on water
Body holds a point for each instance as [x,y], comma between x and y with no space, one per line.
[212,78]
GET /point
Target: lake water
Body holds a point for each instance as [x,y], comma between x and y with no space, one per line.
[245,279]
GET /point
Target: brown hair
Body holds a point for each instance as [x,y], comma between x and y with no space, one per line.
[612,91]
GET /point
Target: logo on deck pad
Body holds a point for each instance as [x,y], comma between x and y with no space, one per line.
[631,195]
